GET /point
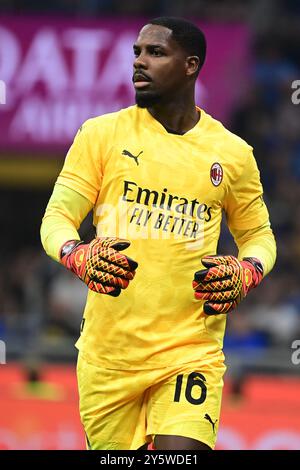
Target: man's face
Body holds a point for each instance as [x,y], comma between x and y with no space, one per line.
[159,68]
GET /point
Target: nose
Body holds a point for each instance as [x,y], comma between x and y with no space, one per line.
[140,61]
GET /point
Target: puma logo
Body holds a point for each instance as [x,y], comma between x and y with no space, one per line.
[211,421]
[128,154]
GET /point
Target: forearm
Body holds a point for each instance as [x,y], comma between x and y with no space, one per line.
[258,243]
[65,212]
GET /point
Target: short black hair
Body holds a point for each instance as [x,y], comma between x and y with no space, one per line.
[186,34]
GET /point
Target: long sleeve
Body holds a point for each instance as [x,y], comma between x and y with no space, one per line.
[64,214]
[248,216]
[259,243]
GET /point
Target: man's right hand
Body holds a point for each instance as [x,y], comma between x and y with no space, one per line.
[100,264]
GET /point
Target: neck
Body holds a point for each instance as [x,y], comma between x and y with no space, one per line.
[180,115]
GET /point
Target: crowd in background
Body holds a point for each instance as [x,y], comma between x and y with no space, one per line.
[259,11]
[41,303]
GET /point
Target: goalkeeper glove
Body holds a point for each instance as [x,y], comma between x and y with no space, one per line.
[99,263]
[225,282]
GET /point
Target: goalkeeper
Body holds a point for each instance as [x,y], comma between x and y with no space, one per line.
[158,176]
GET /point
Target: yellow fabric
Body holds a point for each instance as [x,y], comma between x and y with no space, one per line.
[258,242]
[155,189]
[122,410]
[65,211]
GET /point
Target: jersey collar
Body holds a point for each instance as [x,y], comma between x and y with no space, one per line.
[154,124]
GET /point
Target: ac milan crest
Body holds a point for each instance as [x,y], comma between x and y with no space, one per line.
[216,174]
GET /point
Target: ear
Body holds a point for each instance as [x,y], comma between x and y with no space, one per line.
[192,65]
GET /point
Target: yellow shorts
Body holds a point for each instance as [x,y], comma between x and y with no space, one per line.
[123,409]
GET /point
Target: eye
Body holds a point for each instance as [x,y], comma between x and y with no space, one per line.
[157,52]
[136,52]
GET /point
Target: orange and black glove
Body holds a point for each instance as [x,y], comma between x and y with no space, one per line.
[100,264]
[225,282]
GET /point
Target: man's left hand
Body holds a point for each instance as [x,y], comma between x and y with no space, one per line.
[225,282]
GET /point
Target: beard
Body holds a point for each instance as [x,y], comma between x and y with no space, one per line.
[146,99]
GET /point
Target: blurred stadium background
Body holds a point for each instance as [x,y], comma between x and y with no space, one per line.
[68,60]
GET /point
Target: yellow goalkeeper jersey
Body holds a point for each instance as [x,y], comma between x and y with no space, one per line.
[165,193]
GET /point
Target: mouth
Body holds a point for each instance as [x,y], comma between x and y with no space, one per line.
[141,80]
[141,84]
